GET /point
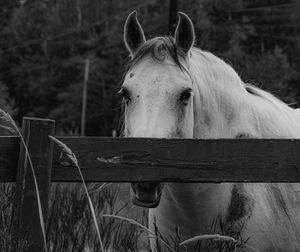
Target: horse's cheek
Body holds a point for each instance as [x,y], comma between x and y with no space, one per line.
[128,121]
[185,120]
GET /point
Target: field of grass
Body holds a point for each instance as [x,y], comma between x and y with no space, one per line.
[70,226]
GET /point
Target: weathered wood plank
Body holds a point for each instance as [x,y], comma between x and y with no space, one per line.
[188,160]
[255,160]
[26,222]
[9,153]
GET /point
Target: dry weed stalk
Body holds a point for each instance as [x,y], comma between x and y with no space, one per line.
[66,150]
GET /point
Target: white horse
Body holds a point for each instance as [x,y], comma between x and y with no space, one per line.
[173,90]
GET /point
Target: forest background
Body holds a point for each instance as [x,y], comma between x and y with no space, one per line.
[44,46]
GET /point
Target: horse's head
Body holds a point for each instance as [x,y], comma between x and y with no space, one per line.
[157,91]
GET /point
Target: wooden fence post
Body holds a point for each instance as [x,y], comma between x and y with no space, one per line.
[26,228]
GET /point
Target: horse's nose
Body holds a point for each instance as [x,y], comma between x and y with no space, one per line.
[146,194]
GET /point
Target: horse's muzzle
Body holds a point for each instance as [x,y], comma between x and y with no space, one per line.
[146,194]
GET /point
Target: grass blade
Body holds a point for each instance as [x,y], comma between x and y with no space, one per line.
[11,130]
[138,225]
[216,237]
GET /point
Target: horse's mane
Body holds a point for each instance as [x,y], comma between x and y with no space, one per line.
[251,89]
[224,70]
[272,117]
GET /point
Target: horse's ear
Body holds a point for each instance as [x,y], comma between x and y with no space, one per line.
[184,33]
[133,33]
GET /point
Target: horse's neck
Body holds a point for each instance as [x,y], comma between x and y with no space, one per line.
[249,115]
[224,105]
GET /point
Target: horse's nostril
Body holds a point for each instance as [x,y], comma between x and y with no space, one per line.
[141,187]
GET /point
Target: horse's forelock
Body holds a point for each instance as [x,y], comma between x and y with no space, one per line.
[159,49]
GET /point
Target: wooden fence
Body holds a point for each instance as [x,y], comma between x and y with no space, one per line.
[133,159]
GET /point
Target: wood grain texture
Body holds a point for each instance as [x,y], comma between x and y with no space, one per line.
[125,159]
[9,153]
[26,222]
[185,160]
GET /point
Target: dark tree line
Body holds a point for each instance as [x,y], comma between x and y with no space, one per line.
[44,46]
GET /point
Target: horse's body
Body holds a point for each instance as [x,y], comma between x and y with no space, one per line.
[221,106]
[269,213]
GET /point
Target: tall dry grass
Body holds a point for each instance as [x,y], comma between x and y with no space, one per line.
[70,224]
[7,192]
[70,215]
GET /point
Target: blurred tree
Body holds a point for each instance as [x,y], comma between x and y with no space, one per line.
[6,102]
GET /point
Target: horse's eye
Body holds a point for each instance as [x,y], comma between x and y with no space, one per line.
[125,94]
[185,96]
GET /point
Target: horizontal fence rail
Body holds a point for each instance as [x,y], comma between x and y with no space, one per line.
[168,160]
